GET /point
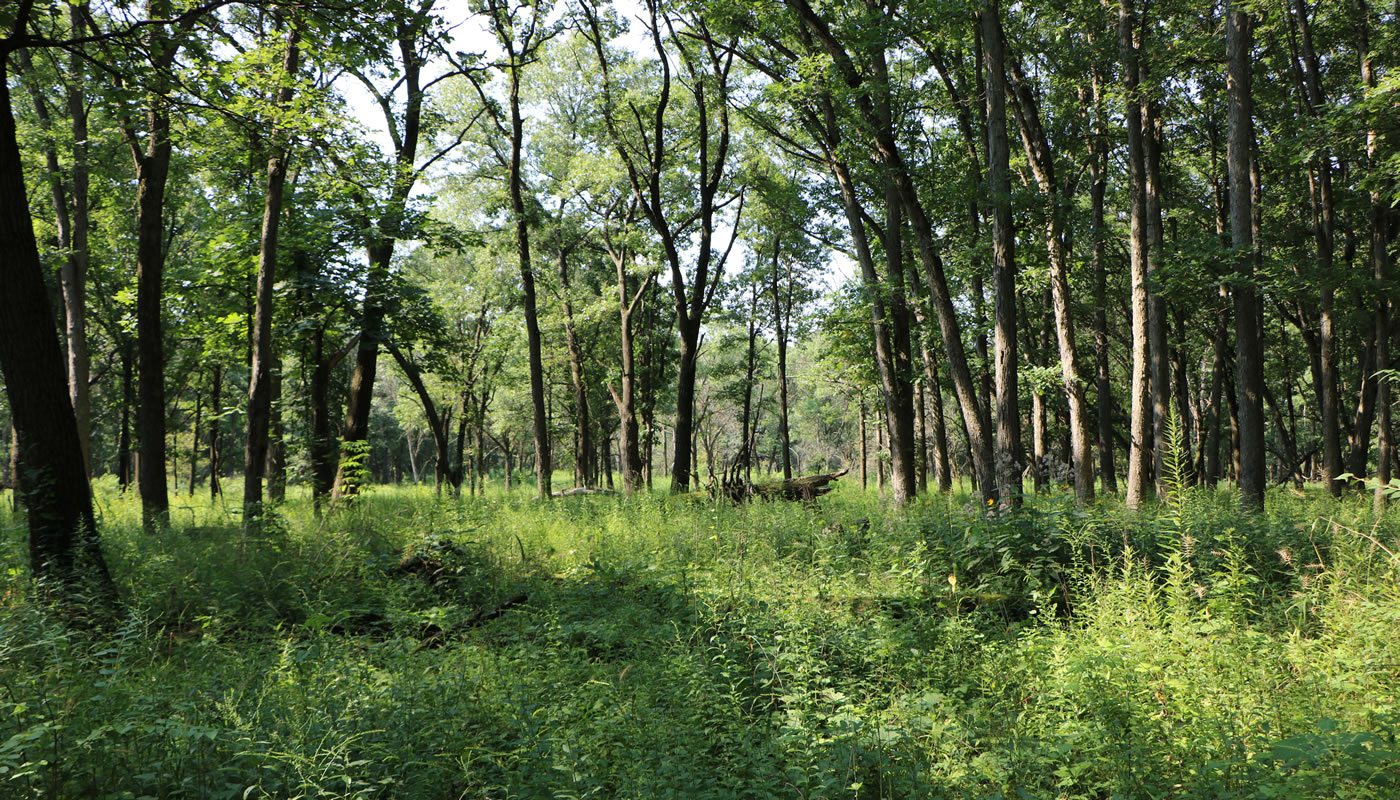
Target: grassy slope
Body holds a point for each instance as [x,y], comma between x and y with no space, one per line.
[677,649]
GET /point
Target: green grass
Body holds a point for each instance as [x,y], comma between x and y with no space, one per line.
[674,648]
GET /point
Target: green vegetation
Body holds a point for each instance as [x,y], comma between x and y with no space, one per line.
[674,648]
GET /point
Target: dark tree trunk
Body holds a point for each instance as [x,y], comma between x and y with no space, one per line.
[583,425]
[216,399]
[1380,222]
[1159,356]
[1009,453]
[152,171]
[255,454]
[1219,365]
[64,551]
[782,311]
[1103,383]
[1249,367]
[380,251]
[899,404]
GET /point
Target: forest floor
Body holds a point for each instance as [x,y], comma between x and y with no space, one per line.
[422,647]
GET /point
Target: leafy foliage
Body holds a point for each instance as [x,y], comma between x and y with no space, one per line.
[669,648]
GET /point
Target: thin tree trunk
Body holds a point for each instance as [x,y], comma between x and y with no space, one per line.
[1379,218]
[260,385]
[1159,356]
[1140,426]
[1103,384]
[1009,453]
[1037,147]
[194,440]
[781,313]
[75,268]
[864,452]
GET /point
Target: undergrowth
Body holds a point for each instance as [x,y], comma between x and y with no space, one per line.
[423,646]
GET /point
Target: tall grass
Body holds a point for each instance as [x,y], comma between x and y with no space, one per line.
[674,647]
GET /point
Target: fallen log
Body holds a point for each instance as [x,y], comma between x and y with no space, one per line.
[805,488]
[582,490]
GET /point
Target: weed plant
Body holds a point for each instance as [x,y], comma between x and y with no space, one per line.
[669,647]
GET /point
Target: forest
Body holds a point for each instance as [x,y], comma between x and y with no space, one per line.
[641,398]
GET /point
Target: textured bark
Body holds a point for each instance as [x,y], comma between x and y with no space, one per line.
[1103,384]
[1249,378]
[1380,222]
[152,172]
[1140,424]
[64,552]
[583,424]
[255,452]
[1037,146]
[1159,357]
[1009,452]
[899,404]
[379,251]
[782,313]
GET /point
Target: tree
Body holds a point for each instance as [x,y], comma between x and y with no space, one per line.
[260,386]
[1249,355]
[647,147]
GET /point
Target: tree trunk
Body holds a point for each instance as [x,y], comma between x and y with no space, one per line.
[73,272]
[1379,218]
[1037,147]
[1140,433]
[216,397]
[126,471]
[75,268]
[1249,367]
[63,546]
[1159,356]
[260,383]
[899,405]
[1219,365]
[747,424]
[1009,453]
[1103,383]
[781,314]
[276,473]
[583,424]
[152,172]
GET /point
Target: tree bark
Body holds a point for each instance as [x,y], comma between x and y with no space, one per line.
[583,425]
[64,550]
[1159,356]
[260,384]
[1009,452]
[1140,432]
[782,310]
[1037,146]
[152,172]
[1379,218]
[1249,367]
[1103,383]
